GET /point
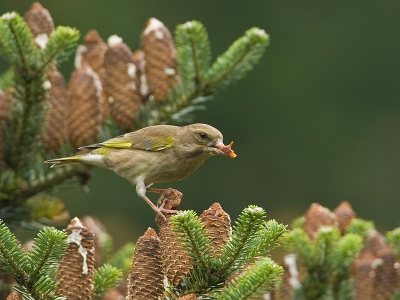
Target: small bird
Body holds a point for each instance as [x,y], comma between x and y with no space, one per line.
[160,153]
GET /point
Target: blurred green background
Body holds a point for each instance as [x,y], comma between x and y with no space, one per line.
[317,120]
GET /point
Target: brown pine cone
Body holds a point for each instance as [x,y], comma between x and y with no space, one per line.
[40,22]
[75,272]
[121,83]
[92,53]
[85,101]
[159,54]
[145,279]
[345,214]
[218,225]
[316,217]
[55,132]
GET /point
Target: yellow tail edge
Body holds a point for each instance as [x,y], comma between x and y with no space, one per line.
[58,162]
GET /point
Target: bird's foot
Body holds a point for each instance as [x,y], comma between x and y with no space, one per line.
[167,202]
[169,193]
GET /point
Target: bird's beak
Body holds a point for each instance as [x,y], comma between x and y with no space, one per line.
[218,147]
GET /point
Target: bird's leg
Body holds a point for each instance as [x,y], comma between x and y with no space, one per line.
[164,193]
[158,210]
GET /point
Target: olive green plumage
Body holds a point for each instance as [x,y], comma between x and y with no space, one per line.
[160,153]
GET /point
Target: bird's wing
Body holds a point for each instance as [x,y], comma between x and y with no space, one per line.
[145,139]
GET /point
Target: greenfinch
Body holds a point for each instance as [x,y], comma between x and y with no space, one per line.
[160,153]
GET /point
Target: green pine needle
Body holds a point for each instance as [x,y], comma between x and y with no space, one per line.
[6,79]
[13,258]
[267,239]
[48,247]
[255,280]
[193,51]
[393,238]
[360,227]
[238,248]
[238,60]
[297,241]
[105,278]
[193,238]
[61,44]
[16,41]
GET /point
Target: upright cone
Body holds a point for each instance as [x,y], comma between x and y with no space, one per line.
[84,98]
[145,279]
[159,56]
[75,272]
[121,83]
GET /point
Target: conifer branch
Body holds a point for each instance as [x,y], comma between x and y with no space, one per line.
[240,58]
[256,280]
[12,257]
[193,51]
[193,238]
[62,42]
[236,251]
[105,278]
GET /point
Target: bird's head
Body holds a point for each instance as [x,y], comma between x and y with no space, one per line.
[203,140]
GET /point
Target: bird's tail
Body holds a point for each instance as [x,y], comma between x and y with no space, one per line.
[57,162]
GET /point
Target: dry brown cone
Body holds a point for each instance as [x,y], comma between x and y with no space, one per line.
[176,262]
[345,214]
[92,53]
[121,83]
[316,217]
[12,296]
[85,102]
[363,275]
[140,63]
[55,132]
[188,297]
[145,279]
[218,225]
[40,23]
[375,243]
[386,278]
[159,54]
[75,272]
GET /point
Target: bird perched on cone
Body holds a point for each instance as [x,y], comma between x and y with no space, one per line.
[160,153]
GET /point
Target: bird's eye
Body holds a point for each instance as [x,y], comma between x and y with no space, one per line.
[203,135]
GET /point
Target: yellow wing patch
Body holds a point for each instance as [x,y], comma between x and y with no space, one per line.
[117,144]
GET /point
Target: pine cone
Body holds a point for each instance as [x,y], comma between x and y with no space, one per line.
[363,276]
[316,217]
[345,214]
[92,53]
[55,132]
[140,63]
[40,22]
[121,83]
[218,225]
[12,296]
[84,98]
[160,63]
[386,278]
[145,279]
[176,262]
[75,272]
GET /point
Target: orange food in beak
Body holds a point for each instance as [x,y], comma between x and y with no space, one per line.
[227,150]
